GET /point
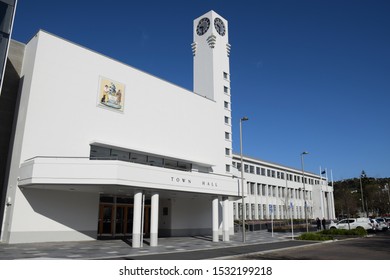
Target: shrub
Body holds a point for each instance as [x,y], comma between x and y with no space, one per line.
[314,236]
[356,231]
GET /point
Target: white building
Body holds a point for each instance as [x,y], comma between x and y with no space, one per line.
[279,192]
[103,150]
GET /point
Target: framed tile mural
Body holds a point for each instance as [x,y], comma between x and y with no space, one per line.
[111,94]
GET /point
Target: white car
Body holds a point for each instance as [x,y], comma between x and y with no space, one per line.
[353,223]
[381,224]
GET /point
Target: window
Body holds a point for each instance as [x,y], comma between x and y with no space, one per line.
[173,164]
[258,170]
[226,90]
[225,75]
[273,173]
[251,169]
[263,171]
[253,211]
[155,161]
[252,188]
[246,168]
[103,153]
[227,135]
[226,105]
[226,120]
[138,158]
[227,151]
[258,189]
[99,152]
[120,155]
[183,166]
[227,168]
[268,173]
[168,163]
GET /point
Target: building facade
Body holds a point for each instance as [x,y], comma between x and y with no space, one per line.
[103,150]
[273,191]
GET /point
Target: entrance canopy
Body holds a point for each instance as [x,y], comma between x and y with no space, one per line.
[120,178]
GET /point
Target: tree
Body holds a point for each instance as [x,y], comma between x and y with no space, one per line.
[376,198]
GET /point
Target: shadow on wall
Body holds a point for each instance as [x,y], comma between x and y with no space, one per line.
[63,209]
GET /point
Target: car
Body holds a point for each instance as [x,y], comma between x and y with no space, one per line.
[353,223]
[382,224]
[387,221]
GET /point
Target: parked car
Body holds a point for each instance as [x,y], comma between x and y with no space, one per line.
[387,221]
[374,223]
[353,223]
[382,224]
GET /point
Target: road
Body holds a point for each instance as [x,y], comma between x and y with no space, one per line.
[374,247]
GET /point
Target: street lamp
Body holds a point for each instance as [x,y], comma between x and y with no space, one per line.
[362,175]
[242,182]
[304,189]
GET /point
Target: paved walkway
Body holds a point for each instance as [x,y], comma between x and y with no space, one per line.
[196,247]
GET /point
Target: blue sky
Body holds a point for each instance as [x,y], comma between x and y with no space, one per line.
[310,75]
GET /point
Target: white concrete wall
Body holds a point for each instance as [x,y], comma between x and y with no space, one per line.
[28,66]
[47,215]
[191,216]
[158,117]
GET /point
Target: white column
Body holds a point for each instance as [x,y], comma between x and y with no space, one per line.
[261,211]
[225,219]
[329,205]
[215,224]
[333,214]
[154,220]
[322,197]
[137,213]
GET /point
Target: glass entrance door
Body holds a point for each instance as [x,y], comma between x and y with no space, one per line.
[117,220]
[105,220]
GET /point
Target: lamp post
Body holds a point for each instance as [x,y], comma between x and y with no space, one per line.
[304,189]
[362,175]
[242,181]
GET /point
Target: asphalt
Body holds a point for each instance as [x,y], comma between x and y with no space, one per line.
[172,248]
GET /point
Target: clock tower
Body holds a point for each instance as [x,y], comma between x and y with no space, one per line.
[211,50]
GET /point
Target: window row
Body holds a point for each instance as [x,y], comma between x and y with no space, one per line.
[276,191]
[267,211]
[103,153]
[274,173]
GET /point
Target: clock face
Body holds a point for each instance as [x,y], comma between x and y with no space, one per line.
[220,26]
[203,26]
